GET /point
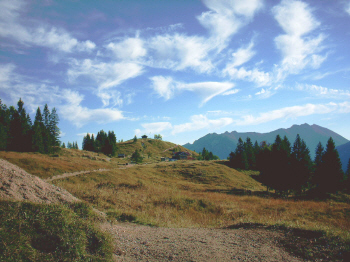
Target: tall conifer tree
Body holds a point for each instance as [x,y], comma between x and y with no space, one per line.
[329,173]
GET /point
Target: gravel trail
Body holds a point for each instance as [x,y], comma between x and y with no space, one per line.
[144,243]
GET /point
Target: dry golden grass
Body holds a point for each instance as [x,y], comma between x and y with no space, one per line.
[67,160]
[151,149]
[200,194]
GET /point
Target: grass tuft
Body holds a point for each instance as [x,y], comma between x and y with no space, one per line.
[40,232]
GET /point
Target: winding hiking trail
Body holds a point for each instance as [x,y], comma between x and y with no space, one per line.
[65,175]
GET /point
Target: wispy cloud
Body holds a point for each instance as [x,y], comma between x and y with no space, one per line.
[231,92]
[154,128]
[324,91]
[347,8]
[179,52]
[293,112]
[128,49]
[72,110]
[199,122]
[299,48]
[35,33]
[226,17]
[36,94]
[265,93]
[255,75]
[167,87]
[106,76]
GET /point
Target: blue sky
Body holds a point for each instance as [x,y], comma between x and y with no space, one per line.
[181,69]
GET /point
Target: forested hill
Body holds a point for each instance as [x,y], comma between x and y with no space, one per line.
[222,144]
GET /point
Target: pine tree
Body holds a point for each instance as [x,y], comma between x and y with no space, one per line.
[249,151]
[329,173]
[53,127]
[4,126]
[301,165]
[38,129]
[277,173]
[239,159]
[347,178]
[87,143]
[47,139]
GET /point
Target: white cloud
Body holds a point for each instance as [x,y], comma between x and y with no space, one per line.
[14,26]
[298,47]
[67,101]
[231,92]
[157,127]
[265,93]
[128,49]
[324,91]
[199,122]
[105,75]
[226,17]
[6,73]
[166,87]
[347,8]
[294,112]
[259,77]
[179,52]
[242,55]
[14,86]
[72,110]
[295,17]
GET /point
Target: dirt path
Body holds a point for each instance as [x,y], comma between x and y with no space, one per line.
[65,175]
[143,243]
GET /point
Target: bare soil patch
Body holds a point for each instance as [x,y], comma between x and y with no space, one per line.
[16,184]
[144,243]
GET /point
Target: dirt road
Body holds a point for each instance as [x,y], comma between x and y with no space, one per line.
[144,243]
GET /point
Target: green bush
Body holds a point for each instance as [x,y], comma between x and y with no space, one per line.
[39,232]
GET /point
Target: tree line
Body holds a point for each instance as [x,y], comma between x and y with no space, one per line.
[104,143]
[18,133]
[288,168]
[206,155]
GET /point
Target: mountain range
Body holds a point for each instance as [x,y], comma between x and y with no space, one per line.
[222,144]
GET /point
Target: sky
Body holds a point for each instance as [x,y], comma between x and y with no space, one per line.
[181,68]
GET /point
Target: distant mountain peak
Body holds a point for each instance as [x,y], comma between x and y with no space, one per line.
[222,144]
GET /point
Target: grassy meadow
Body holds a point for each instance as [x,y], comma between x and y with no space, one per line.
[201,194]
[169,194]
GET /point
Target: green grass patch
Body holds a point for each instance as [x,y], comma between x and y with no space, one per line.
[40,232]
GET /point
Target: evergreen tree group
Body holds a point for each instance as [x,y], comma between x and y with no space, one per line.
[206,155]
[288,168]
[70,145]
[104,143]
[18,133]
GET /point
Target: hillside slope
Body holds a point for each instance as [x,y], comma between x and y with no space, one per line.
[222,144]
[73,160]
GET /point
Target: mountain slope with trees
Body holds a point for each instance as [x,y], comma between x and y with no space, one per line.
[222,144]
[344,154]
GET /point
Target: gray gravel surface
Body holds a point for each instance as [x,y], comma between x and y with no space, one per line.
[144,243]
